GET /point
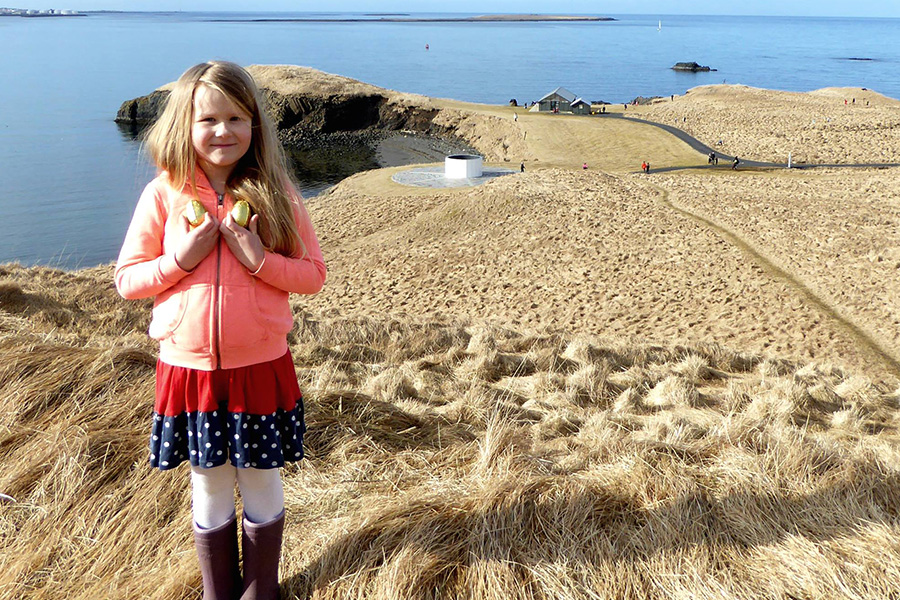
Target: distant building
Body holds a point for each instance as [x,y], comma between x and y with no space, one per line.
[559,100]
[580,107]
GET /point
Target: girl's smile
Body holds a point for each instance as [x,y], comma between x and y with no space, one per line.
[220,132]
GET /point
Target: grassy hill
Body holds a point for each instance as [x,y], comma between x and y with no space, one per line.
[562,384]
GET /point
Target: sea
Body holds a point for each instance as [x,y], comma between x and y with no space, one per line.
[70,177]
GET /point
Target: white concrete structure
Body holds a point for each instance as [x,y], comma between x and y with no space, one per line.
[463,166]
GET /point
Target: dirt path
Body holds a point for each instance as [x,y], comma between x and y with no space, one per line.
[832,232]
[877,352]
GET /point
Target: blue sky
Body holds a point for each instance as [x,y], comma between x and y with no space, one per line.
[828,8]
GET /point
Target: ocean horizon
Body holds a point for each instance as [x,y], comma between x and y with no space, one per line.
[71,177]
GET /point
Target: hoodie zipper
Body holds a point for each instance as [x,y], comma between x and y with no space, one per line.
[217,310]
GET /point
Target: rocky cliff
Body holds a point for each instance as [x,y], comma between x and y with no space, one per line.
[311,108]
[304,102]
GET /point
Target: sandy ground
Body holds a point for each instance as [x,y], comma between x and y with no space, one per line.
[815,127]
[405,149]
[582,251]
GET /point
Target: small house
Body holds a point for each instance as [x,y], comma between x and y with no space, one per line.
[580,107]
[559,100]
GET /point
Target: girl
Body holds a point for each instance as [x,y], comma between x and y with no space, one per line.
[227,396]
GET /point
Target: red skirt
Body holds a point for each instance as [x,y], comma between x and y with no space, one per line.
[249,416]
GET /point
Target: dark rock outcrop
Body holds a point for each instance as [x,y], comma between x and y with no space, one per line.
[644,100]
[298,117]
[690,66]
[141,112]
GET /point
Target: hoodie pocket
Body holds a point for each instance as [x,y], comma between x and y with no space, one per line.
[242,320]
[183,318]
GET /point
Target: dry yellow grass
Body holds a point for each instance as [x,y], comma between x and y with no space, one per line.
[540,139]
[456,459]
[833,231]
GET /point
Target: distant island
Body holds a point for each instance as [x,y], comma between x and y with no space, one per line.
[406,19]
[533,17]
[52,12]
[692,67]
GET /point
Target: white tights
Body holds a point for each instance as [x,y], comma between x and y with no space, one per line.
[213,494]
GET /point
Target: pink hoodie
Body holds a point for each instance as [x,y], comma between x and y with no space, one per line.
[220,315]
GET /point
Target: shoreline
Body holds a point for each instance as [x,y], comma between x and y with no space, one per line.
[402,149]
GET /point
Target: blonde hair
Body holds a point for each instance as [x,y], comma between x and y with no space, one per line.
[261,177]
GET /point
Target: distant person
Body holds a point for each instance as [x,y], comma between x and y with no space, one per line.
[735,163]
[522,167]
[227,396]
[427,47]
[648,168]
[584,166]
[644,167]
[515,117]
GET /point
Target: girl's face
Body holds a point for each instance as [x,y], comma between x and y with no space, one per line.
[220,132]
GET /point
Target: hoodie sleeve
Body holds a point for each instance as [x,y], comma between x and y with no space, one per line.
[143,269]
[299,274]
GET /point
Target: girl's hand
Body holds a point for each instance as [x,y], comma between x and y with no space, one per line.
[243,243]
[197,243]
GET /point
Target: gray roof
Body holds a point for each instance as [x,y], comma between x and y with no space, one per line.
[562,92]
[581,101]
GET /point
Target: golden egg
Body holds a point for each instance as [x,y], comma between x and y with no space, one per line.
[241,213]
[194,213]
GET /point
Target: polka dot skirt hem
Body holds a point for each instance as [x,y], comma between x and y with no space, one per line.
[210,439]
